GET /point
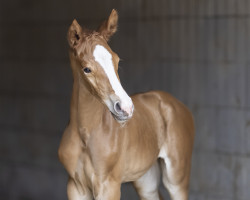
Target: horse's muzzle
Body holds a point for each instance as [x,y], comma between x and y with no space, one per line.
[123,112]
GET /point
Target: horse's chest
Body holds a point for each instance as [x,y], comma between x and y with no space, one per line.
[91,169]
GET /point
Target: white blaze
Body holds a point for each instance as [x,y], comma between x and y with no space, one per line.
[104,58]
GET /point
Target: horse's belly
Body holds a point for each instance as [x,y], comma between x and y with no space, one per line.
[136,170]
[139,159]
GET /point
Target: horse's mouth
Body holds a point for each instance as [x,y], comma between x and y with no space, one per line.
[121,119]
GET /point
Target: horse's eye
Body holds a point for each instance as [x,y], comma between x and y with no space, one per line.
[87,70]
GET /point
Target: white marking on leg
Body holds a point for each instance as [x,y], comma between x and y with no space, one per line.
[104,58]
[163,155]
[148,184]
[174,189]
[167,170]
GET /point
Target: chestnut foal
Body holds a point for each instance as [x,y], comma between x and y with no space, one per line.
[111,138]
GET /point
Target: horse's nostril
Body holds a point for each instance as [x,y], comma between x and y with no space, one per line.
[117,107]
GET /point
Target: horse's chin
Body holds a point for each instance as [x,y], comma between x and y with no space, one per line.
[120,119]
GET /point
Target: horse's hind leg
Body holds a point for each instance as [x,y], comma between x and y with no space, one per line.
[76,193]
[175,179]
[147,185]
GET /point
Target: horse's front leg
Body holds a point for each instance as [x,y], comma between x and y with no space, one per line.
[77,191]
[107,190]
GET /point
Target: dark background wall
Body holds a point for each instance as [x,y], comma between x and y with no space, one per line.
[198,50]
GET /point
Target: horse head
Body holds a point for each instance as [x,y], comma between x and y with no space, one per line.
[97,66]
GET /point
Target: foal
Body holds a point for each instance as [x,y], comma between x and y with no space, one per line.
[111,138]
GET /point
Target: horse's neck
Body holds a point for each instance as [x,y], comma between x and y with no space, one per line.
[86,110]
[88,114]
[89,106]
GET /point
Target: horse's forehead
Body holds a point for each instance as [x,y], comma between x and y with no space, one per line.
[103,57]
[101,53]
[96,45]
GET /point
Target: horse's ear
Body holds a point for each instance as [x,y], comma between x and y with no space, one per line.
[109,26]
[75,34]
